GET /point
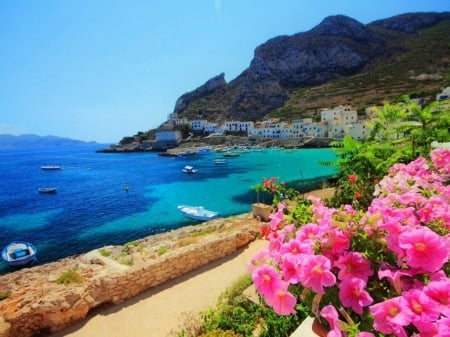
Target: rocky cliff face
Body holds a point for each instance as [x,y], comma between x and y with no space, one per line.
[339,46]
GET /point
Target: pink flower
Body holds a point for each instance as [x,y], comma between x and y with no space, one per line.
[276,220]
[424,249]
[267,281]
[315,273]
[336,243]
[309,232]
[282,301]
[365,334]
[352,294]
[439,291]
[295,246]
[391,316]
[441,159]
[331,315]
[424,309]
[353,265]
[394,277]
[259,259]
[290,268]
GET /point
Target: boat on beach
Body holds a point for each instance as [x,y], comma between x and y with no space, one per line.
[48,190]
[197,212]
[189,169]
[19,253]
[50,167]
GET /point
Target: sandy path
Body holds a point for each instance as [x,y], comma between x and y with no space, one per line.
[156,312]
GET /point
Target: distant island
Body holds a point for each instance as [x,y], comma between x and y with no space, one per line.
[31,141]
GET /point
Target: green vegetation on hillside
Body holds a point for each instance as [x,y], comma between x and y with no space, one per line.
[384,79]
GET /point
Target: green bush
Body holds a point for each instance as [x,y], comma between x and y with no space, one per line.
[104,252]
[220,333]
[4,294]
[70,276]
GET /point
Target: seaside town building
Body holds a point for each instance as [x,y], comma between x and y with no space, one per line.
[334,123]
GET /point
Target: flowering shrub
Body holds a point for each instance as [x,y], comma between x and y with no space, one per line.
[381,272]
[278,190]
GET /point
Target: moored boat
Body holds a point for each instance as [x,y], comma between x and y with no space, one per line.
[19,253]
[189,169]
[50,167]
[231,154]
[197,212]
[48,190]
[220,161]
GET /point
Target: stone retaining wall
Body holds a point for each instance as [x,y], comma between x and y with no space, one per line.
[37,304]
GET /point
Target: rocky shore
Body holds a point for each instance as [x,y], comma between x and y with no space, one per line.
[135,144]
[44,299]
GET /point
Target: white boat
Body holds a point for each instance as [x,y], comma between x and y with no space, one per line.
[50,167]
[220,161]
[197,212]
[189,169]
[48,190]
[19,253]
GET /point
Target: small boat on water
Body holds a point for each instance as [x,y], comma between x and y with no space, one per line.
[19,253]
[48,190]
[231,154]
[189,169]
[50,167]
[197,212]
[220,161]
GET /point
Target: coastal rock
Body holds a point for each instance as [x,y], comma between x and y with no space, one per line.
[38,305]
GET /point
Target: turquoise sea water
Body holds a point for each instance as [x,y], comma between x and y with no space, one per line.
[93,209]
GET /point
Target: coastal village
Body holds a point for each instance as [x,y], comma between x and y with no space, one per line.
[329,124]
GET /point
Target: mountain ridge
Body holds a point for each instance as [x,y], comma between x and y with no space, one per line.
[33,141]
[339,47]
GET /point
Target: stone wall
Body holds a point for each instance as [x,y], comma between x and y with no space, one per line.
[37,304]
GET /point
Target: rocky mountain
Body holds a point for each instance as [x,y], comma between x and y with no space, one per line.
[31,141]
[338,48]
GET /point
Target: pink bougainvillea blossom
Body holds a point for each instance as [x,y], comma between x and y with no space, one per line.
[315,273]
[352,294]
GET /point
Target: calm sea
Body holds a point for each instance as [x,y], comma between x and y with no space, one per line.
[93,209]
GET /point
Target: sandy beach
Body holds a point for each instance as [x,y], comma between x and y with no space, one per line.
[158,311]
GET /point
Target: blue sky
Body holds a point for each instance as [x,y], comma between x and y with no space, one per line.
[103,69]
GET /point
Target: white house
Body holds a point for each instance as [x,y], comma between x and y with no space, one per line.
[238,126]
[213,128]
[168,136]
[316,129]
[198,124]
[341,115]
[358,130]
